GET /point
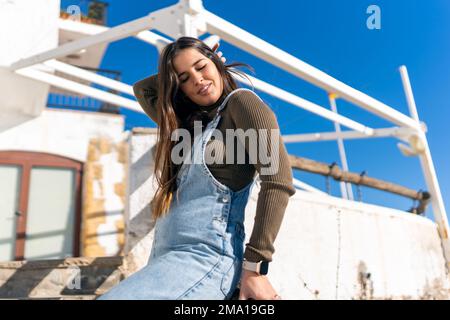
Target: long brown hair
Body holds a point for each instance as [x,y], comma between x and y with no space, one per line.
[175,110]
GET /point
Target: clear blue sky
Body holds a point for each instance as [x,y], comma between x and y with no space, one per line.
[332,36]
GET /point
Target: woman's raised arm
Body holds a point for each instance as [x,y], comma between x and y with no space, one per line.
[146,92]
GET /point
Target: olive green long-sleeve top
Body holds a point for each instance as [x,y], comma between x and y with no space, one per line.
[244,110]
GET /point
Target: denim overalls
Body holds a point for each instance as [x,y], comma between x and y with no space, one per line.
[198,246]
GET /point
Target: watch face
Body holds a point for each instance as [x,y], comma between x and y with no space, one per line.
[264,268]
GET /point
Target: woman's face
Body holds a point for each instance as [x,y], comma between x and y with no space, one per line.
[199,78]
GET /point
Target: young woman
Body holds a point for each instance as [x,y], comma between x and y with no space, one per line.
[198,248]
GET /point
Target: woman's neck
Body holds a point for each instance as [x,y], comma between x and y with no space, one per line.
[214,105]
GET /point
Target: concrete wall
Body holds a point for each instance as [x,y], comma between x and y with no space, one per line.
[26,28]
[327,248]
[142,186]
[330,248]
[62,132]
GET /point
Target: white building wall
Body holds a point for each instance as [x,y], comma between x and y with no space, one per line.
[62,132]
[142,186]
[331,248]
[26,28]
[327,247]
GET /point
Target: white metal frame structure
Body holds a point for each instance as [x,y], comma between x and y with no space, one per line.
[190,18]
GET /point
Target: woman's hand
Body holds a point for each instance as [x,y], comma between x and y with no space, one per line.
[257,287]
[220,54]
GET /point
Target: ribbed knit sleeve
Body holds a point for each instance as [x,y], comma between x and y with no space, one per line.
[250,112]
[146,92]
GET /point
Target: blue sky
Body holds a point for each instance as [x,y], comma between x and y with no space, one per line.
[332,36]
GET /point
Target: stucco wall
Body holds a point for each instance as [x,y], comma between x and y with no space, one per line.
[142,186]
[332,248]
[62,132]
[26,28]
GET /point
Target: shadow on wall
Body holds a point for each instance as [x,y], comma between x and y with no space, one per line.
[142,223]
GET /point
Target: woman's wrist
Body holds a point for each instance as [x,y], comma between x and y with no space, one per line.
[250,274]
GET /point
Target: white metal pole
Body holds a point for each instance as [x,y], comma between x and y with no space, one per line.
[90,29]
[394,132]
[79,88]
[346,188]
[426,161]
[304,104]
[409,94]
[90,76]
[116,33]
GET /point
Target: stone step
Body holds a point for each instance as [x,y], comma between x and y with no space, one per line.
[75,297]
[66,279]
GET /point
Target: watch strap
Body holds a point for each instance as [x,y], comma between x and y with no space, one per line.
[261,267]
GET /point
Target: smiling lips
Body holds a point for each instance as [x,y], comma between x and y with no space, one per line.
[204,89]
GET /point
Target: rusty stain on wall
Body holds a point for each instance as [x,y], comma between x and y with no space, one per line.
[436,290]
[364,283]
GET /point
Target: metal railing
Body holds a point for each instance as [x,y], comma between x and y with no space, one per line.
[86,103]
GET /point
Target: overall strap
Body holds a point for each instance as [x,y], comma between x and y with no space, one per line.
[229,96]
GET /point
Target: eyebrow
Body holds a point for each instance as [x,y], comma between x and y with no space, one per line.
[179,75]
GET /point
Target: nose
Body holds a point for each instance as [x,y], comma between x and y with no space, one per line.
[198,78]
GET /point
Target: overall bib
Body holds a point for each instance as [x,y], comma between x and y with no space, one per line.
[198,245]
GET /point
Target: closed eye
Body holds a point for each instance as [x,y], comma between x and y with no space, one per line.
[185,79]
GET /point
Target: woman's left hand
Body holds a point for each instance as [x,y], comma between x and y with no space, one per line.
[220,54]
[257,287]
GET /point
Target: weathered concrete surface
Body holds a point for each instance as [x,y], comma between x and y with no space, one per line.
[142,186]
[104,196]
[330,248]
[327,248]
[71,278]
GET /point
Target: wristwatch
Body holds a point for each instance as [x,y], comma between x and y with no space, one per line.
[261,267]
